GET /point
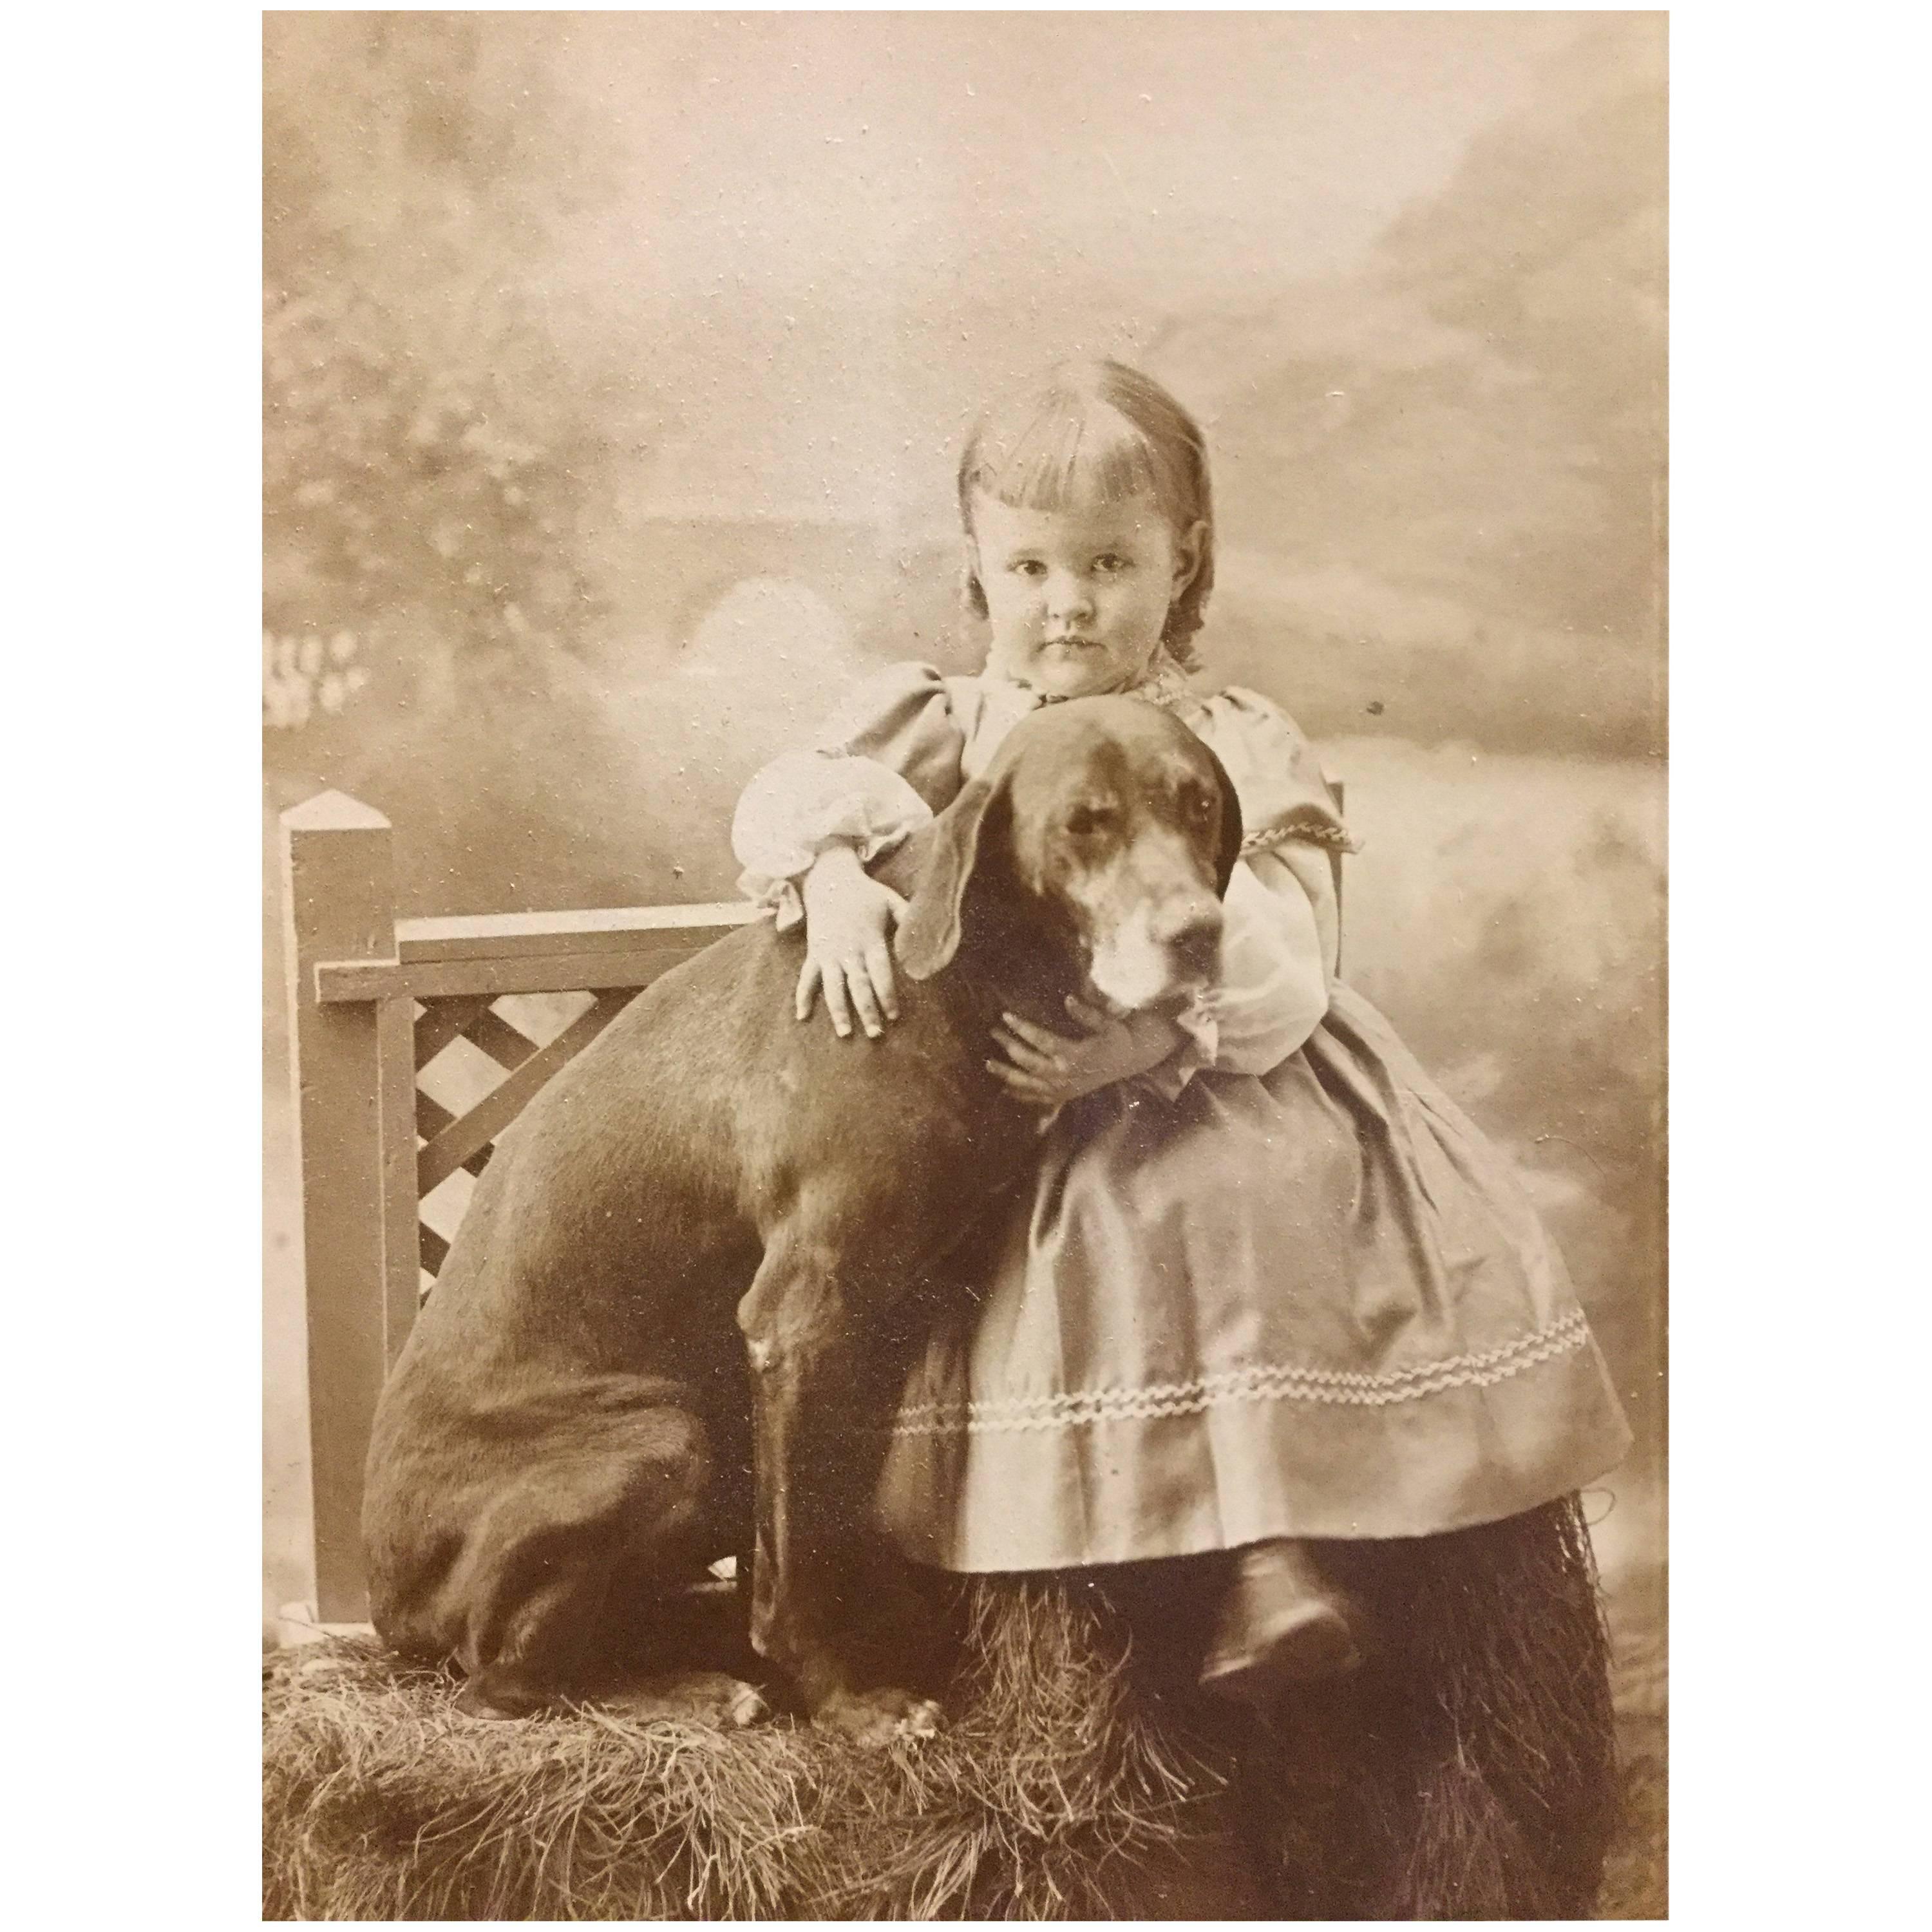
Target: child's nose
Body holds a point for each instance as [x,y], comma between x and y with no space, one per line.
[1069,596]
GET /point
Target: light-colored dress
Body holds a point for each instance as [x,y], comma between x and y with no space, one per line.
[1282,1287]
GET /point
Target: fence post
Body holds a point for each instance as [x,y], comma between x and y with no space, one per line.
[339,890]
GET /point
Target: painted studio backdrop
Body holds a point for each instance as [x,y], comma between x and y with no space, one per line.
[617,370]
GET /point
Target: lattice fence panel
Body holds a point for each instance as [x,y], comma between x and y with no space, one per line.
[480,1061]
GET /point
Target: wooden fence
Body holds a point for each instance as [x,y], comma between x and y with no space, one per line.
[376,1003]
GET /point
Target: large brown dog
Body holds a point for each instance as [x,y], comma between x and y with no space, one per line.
[566,1435]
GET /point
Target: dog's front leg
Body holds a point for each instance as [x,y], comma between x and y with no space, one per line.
[819,1376]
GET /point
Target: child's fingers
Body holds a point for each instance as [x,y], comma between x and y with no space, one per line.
[879,965]
[831,981]
[1089,1016]
[807,993]
[1021,1054]
[859,985]
[1018,1053]
[1022,1086]
[1038,1036]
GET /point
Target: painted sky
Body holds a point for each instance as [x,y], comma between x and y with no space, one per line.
[829,234]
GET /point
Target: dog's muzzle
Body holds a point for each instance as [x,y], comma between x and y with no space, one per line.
[1156,954]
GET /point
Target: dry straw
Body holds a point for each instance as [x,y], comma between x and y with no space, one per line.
[1468,1773]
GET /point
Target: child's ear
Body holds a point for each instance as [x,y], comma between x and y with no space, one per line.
[1190,546]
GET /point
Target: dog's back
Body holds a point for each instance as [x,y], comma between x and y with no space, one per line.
[576,1371]
[577,1381]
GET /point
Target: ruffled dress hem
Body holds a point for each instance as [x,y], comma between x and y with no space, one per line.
[1122,1475]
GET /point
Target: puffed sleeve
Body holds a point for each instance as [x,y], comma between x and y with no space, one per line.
[1288,812]
[881,767]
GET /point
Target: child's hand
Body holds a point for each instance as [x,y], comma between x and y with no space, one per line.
[1047,1070]
[849,918]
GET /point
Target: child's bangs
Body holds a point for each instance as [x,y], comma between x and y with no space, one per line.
[1074,453]
[1097,433]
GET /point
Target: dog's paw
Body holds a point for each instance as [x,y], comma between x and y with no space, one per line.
[696,1697]
[924,1720]
[496,1698]
[745,1707]
[881,1717]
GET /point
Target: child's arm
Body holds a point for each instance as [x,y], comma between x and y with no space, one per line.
[1273,990]
[1274,976]
[1287,811]
[810,823]
[1050,1070]
[1312,868]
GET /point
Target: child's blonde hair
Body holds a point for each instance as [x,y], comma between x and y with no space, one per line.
[1097,432]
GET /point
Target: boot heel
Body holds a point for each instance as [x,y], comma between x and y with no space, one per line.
[1283,1623]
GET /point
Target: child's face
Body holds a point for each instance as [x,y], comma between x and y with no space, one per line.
[1077,598]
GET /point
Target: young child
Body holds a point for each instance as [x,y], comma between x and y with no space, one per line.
[1270,1285]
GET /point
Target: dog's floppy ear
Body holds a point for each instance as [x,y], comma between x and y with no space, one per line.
[929,934]
[1232,830]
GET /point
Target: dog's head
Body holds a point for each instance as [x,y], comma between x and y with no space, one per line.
[1115,825]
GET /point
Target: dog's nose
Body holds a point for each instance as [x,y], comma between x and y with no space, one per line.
[1196,945]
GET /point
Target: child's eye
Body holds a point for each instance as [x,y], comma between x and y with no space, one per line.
[1028,566]
[1110,562]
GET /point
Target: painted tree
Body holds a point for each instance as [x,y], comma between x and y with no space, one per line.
[428,455]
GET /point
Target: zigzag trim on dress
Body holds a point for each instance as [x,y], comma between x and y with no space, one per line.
[1266,1382]
[1303,825]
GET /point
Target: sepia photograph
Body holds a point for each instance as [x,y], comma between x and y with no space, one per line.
[963,817]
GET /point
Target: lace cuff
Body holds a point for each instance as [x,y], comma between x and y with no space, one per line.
[803,803]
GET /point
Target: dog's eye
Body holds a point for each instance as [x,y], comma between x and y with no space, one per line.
[1199,803]
[1084,820]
